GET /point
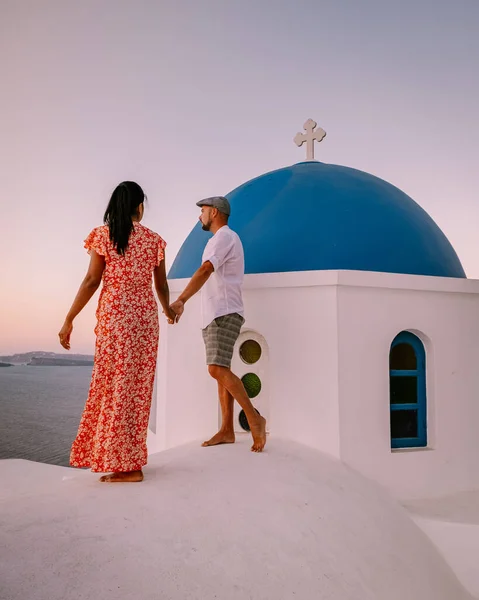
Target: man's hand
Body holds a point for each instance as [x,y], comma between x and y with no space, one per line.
[178,309]
[170,315]
[196,283]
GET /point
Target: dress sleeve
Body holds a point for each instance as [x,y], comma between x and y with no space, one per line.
[96,241]
[161,250]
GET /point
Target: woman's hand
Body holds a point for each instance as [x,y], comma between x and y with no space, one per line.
[65,333]
[170,315]
[178,309]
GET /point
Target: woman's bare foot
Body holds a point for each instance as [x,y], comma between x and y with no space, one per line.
[128,477]
[258,431]
[222,437]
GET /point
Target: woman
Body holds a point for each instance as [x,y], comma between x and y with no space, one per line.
[125,254]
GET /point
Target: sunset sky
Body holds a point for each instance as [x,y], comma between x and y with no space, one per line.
[193,98]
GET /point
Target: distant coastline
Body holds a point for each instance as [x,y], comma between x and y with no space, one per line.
[58,362]
[46,359]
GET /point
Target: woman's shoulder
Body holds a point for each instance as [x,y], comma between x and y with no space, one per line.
[99,240]
[100,230]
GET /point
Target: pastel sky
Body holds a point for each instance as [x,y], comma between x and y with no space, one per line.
[193,98]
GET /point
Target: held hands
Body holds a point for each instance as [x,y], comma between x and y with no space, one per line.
[170,315]
[65,333]
[177,308]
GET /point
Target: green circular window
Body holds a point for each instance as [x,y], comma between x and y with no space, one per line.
[243,421]
[252,384]
[250,352]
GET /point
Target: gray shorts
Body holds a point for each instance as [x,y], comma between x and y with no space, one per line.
[220,337]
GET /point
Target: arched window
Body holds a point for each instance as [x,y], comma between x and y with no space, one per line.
[407,392]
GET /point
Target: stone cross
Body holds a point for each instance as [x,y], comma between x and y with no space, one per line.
[309,137]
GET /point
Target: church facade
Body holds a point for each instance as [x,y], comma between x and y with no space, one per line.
[360,337]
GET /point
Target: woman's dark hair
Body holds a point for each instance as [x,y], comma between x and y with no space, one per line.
[123,205]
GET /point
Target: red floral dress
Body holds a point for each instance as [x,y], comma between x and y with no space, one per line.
[112,432]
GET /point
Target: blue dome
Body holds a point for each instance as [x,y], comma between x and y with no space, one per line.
[314,216]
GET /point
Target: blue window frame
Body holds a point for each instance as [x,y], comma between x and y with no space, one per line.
[407,392]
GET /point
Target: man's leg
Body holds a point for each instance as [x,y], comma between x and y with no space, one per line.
[235,387]
[226,434]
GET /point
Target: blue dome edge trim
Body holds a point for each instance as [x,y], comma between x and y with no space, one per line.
[314,216]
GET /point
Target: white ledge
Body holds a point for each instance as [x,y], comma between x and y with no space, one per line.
[363,279]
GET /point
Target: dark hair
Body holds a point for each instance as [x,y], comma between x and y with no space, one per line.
[124,203]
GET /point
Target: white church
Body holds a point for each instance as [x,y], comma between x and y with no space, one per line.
[360,348]
[361,333]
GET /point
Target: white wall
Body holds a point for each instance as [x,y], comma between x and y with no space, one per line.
[373,309]
[186,398]
[327,374]
[298,323]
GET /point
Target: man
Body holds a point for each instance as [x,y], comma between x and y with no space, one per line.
[220,278]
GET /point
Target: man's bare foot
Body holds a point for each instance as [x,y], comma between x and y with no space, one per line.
[222,437]
[258,431]
[128,477]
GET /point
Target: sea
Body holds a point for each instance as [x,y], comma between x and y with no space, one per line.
[40,410]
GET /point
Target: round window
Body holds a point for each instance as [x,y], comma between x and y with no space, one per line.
[250,352]
[243,421]
[252,384]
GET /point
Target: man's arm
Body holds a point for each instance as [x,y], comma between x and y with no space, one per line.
[195,284]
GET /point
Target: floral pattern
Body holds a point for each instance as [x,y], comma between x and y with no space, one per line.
[112,432]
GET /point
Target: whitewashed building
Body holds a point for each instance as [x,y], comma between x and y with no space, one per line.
[360,348]
[361,330]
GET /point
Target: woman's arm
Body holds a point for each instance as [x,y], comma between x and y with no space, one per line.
[87,288]
[162,289]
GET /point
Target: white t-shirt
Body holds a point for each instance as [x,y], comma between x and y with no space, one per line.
[221,294]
